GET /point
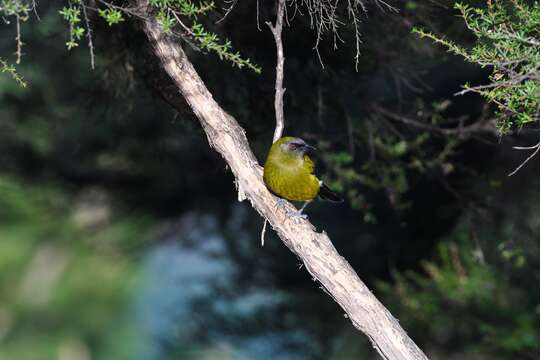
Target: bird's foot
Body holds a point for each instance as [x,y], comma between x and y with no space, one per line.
[296,215]
[281,204]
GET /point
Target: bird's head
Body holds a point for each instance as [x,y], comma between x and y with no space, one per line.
[293,147]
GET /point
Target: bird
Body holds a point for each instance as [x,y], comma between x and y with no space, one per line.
[289,173]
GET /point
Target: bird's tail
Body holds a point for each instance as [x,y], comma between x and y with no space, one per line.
[326,194]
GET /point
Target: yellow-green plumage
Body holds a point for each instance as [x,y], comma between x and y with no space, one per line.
[289,174]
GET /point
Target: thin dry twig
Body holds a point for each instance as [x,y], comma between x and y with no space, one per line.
[325,17]
[263,232]
[258,23]
[278,100]
[181,23]
[532,74]
[228,10]
[277,30]
[536,150]
[88,35]
[353,9]
[34,9]
[18,39]
[484,125]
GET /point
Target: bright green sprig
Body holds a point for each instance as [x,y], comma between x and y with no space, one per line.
[452,47]
[14,8]
[19,9]
[210,42]
[170,16]
[111,16]
[508,40]
[189,9]
[166,20]
[10,69]
[72,14]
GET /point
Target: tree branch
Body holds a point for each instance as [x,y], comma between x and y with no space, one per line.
[536,149]
[278,99]
[476,127]
[18,39]
[315,249]
[88,35]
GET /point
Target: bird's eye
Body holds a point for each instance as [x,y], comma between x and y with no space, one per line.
[293,146]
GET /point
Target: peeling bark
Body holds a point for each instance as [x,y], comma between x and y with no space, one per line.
[315,249]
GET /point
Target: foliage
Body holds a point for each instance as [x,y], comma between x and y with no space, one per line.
[19,9]
[507,40]
[10,69]
[72,14]
[397,159]
[170,14]
[111,16]
[467,307]
[479,299]
[65,272]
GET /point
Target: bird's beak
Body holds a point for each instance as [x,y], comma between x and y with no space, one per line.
[310,150]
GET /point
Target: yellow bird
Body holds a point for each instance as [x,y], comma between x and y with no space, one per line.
[288,173]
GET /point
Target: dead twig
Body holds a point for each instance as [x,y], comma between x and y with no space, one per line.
[325,17]
[34,9]
[263,232]
[228,10]
[476,127]
[277,29]
[18,40]
[88,34]
[536,150]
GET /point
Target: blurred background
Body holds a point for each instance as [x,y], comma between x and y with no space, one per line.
[121,236]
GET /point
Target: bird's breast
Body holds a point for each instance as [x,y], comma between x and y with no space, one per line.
[291,183]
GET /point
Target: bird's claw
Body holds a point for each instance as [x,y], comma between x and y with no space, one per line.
[298,215]
[294,214]
[280,203]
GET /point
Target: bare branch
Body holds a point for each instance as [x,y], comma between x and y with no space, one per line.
[325,18]
[532,74]
[34,8]
[88,35]
[228,10]
[315,249]
[384,5]
[18,39]
[356,24]
[184,26]
[263,231]
[537,149]
[278,99]
[478,126]
[258,23]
